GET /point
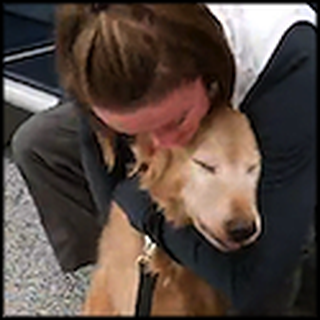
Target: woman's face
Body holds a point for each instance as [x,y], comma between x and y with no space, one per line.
[170,122]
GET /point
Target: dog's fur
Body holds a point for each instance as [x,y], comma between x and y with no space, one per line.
[211,183]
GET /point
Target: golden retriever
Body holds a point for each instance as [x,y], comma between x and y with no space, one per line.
[211,183]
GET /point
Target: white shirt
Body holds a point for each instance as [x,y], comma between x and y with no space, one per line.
[253,32]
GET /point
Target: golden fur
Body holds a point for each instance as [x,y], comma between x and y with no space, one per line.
[210,183]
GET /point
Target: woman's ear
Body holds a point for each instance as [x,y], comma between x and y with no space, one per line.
[213,90]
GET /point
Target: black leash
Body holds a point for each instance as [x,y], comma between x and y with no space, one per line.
[147,282]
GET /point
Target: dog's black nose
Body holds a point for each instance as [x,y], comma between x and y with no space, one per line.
[240,230]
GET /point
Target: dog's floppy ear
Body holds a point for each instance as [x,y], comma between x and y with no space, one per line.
[150,163]
[143,152]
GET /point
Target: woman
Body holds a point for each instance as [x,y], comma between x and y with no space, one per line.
[150,68]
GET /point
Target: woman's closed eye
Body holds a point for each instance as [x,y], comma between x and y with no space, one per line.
[182,119]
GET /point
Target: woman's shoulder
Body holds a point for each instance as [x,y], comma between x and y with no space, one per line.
[253,32]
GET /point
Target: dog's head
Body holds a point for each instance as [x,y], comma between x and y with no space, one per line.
[211,183]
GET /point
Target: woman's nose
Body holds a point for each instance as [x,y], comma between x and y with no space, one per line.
[163,140]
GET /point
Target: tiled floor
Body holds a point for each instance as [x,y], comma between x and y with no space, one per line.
[33,282]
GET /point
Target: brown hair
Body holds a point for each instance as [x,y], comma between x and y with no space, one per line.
[121,54]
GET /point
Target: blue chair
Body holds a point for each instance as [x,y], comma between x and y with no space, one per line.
[30,78]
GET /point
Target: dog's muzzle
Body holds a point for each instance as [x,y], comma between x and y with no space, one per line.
[239,230]
[237,233]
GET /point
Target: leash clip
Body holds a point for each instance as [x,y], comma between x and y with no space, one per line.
[148,250]
[147,279]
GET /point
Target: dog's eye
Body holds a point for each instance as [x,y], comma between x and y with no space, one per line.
[143,167]
[211,169]
[252,168]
